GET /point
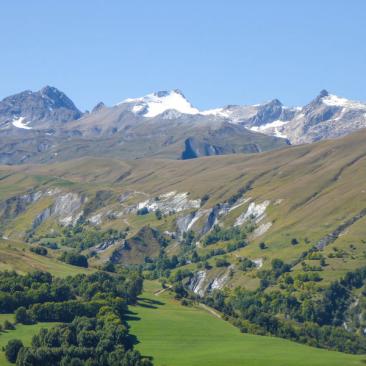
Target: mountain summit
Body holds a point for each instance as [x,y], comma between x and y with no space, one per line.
[156,103]
[43,108]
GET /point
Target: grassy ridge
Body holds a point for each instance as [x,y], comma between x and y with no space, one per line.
[175,335]
[15,255]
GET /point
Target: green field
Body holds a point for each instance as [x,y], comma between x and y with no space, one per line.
[22,332]
[175,335]
[10,317]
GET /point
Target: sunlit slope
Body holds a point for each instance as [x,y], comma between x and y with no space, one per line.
[313,189]
[177,335]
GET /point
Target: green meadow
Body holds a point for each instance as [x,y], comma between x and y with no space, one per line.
[175,335]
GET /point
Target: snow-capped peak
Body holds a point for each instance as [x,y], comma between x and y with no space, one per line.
[333,100]
[154,104]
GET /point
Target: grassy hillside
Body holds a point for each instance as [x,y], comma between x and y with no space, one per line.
[176,335]
[16,256]
[312,190]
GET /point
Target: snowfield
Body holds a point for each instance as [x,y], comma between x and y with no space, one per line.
[21,123]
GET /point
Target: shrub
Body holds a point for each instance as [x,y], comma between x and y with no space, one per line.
[74,259]
[246,264]
[204,199]
[262,245]
[39,250]
[222,262]
[12,349]
[142,211]
[158,214]
[8,325]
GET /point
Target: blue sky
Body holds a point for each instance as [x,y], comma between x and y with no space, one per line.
[216,52]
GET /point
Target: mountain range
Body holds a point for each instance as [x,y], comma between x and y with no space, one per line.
[46,126]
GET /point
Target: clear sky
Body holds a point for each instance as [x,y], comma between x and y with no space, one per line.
[216,52]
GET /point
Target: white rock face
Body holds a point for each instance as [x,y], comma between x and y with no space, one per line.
[197,284]
[220,281]
[261,229]
[254,211]
[258,262]
[66,207]
[96,219]
[169,202]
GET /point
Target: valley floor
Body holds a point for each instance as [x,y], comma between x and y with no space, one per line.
[176,335]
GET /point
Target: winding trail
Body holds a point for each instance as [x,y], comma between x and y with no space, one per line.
[210,310]
[159,292]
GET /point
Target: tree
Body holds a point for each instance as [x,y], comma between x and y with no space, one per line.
[294,241]
[21,316]
[12,349]
[39,250]
[222,262]
[262,245]
[204,199]
[158,214]
[142,211]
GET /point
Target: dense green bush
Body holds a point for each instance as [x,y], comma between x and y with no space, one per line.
[74,259]
[39,250]
[12,349]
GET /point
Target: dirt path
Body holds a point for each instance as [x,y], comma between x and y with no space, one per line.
[210,310]
[159,292]
[203,306]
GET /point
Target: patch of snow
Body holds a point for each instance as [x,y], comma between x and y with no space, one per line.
[221,112]
[277,123]
[257,212]
[333,100]
[137,108]
[154,104]
[278,133]
[21,123]
[273,128]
